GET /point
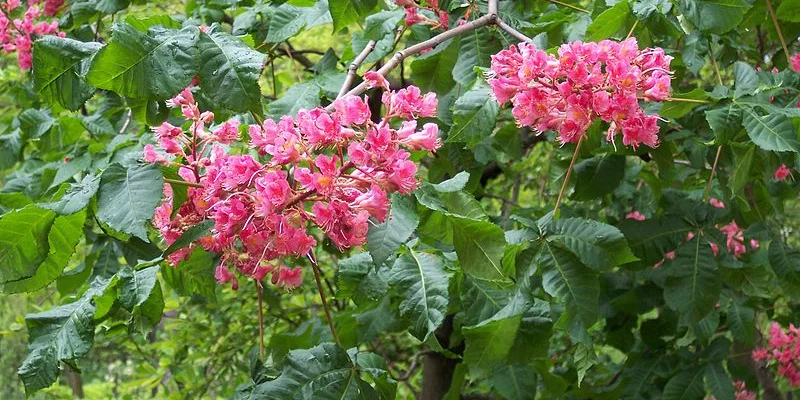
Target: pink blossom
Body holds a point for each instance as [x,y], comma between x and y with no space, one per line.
[635,215]
[716,203]
[586,81]
[352,110]
[290,278]
[795,61]
[782,172]
[375,79]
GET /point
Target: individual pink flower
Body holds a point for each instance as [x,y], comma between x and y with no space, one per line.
[635,215]
[375,79]
[716,203]
[289,278]
[782,172]
[352,110]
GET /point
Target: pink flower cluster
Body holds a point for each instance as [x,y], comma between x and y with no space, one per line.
[784,349]
[18,34]
[333,170]
[413,16]
[586,81]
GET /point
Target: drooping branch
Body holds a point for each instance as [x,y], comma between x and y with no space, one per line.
[351,70]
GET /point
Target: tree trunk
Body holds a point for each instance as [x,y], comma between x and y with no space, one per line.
[437,370]
[74,381]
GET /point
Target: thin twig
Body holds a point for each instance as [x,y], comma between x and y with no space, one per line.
[566,177]
[716,67]
[568,6]
[778,29]
[685,100]
[260,320]
[351,70]
[511,31]
[184,183]
[127,122]
[711,177]
[428,44]
[322,297]
[630,32]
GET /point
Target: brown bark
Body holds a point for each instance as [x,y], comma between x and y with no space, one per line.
[437,370]
[74,381]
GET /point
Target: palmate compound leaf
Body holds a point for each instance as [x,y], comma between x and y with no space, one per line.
[156,65]
[61,334]
[59,69]
[229,70]
[128,196]
[61,239]
[23,242]
[422,282]
[323,372]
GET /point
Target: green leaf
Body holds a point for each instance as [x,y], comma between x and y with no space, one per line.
[229,70]
[687,385]
[433,71]
[385,238]
[195,232]
[785,262]
[719,382]
[488,344]
[789,10]
[453,184]
[193,276]
[742,322]
[771,132]
[693,285]
[454,204]
[128,197]
[23,242]
[743,160]
[156,65]
[745,78]
[598,176]
[714,16]
[515,381]
[564,277]
[725,121]
[608,23]
[62,239]
[480,246]
[59,68]
[322,372]
[474,116]
[482,299]
[476,50]
[63,333]
[652,238]
[677,109]
[356,275]
[77,197]
[347,12]
[304,95]
[597,245]
[287,20]
[380,27]
[422,282]
[140,293]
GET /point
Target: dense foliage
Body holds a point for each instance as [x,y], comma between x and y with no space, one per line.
[313,199]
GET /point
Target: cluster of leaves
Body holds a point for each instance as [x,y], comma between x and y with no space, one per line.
[472,274]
